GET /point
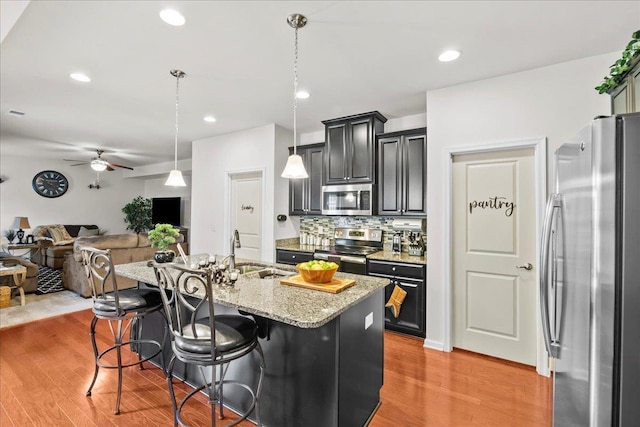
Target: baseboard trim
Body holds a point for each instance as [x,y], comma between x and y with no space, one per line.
[434,345]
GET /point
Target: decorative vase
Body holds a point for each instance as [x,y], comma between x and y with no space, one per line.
[164,256]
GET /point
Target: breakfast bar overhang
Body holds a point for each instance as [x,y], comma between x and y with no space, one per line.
[323,352]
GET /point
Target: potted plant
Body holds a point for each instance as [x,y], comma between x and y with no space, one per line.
[161,237]
[138,214]
[10,235]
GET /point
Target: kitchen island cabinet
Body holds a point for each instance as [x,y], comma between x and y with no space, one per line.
[323,352]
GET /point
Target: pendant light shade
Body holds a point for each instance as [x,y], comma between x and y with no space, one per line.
[175,179]
[294,168]
[175,176]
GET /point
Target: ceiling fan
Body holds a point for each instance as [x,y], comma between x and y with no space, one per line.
[98,163]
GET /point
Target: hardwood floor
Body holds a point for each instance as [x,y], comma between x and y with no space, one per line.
[46,366]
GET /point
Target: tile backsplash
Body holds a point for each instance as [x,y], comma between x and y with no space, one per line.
[312,224]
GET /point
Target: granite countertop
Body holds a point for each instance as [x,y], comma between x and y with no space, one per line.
[296,247]
[403,257]
[384,255]
[269,298]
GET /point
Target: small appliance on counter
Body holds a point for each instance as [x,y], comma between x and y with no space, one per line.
[396,242]
[416,228]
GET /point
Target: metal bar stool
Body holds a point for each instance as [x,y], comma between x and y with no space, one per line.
[123,309]
[201,338]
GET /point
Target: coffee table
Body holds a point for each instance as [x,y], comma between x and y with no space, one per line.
[19,273]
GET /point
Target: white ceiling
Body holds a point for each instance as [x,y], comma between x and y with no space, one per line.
[355,56]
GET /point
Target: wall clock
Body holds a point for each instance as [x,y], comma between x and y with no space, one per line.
[50,184]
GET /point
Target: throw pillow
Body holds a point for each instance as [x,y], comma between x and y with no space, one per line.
[88,232]
[42,233]
[60,235]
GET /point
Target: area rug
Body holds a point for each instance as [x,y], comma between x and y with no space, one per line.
[49,281]
[42,306]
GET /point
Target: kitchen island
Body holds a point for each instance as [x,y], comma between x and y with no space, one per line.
[323,352]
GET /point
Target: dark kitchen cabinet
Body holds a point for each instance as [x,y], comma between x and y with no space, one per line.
[286,256]
[350,148]
[305,195]
[402,173]
[411,278]
[625,98]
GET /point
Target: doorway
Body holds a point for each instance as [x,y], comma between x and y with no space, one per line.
[246,213]
[495,211]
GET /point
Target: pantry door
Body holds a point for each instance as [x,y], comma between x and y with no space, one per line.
[494,254]
[246,213]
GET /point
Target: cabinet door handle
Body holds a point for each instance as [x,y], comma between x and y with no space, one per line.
[293,257]
[393,269]
[408,285]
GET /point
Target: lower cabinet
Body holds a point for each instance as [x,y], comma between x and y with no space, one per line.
[411,278]
[286,256]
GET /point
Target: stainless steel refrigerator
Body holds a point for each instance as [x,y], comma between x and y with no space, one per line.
[590,287]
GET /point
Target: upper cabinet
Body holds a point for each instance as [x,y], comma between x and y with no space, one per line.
[625,98]
[350,148]
[402,173]
[305,195]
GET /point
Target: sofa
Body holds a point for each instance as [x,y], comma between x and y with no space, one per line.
[125,248]
[57,240]
[31,282]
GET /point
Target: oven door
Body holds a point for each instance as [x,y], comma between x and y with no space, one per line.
[347,199]
[347,263]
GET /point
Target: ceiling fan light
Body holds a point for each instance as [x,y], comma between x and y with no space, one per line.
[175,179]
[294,168]
[98,165]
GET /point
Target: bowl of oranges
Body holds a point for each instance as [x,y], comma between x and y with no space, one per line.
[317,271]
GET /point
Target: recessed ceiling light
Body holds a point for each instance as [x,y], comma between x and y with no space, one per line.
[209,119]
[81,77]
[449,55]
[302,94]
[172,17]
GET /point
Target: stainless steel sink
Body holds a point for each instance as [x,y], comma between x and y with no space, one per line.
[249,268]
[267,273]
[274,273]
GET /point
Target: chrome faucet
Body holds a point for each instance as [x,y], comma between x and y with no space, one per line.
[235,243]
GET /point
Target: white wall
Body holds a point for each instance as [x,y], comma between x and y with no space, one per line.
[553,102]
[79,205]
[213,159]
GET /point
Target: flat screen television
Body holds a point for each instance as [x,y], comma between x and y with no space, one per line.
[165,210]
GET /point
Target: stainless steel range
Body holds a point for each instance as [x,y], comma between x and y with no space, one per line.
[352,245]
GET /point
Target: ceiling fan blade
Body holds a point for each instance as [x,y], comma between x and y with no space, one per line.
[109,168]
[73,160]
[119,166]
[80,164]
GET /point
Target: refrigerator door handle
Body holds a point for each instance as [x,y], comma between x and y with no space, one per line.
[552,345]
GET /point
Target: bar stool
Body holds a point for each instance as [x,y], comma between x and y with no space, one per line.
[123,308]
[199,337]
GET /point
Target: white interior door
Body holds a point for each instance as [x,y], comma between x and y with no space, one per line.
[246,213]
[494,295]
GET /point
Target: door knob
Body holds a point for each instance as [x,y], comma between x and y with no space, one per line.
[527,266]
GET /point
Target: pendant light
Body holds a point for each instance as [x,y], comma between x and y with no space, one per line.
[175,176]
[294,167]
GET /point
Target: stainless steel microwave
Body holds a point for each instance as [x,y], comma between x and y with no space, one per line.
[351,199]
